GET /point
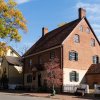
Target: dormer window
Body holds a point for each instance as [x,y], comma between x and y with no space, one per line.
[76,38]
[88,30]
[92,42]
[81,28]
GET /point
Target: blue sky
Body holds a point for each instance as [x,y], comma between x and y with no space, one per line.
[51,13]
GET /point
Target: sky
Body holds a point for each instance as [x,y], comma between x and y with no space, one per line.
[51,13]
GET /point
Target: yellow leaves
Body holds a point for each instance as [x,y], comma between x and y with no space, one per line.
[3,6]
[11,20]
[3,48]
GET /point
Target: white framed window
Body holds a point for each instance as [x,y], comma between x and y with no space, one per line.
[92,42]
[88,30]
[81,28]
[76,38]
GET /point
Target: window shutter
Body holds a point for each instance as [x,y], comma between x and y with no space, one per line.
[76,56]
[77,77]
[70,76]
[93,59]
[69,55]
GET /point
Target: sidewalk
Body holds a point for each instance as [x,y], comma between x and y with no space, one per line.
[47,95]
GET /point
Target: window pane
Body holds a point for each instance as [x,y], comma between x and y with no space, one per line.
[76,38]
[92,42]
[95,59]
[73,55]
[87,30]
[81,28]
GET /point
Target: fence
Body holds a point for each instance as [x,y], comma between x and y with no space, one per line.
[72,88]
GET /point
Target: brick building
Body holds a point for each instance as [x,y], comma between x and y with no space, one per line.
[74,44]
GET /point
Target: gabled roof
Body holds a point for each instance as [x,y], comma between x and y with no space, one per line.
[56,37]
[53,38]
[14,60]
[15,51]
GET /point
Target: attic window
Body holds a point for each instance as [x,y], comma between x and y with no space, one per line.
[88,30]
[76,38]
[81,28]
[93,42]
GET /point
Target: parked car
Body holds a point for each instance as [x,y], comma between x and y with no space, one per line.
[97,90]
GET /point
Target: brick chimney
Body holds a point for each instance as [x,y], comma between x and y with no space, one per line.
[44,31]
[82,13]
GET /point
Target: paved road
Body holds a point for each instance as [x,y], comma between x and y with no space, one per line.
[13,96]
[16,97]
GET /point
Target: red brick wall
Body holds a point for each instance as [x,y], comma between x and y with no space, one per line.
[45,56]
[85,51]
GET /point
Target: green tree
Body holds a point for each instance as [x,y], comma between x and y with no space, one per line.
[11,20]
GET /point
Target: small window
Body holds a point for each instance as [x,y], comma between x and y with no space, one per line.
[76,38]
[74,76]
[81,28]
[92,42]
[73,55]
[95,59]
[52,55]
[29,78]
[88,30]
[30,62]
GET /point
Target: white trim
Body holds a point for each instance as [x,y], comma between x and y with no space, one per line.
[43,51]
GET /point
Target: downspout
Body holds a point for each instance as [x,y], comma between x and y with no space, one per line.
[62,66]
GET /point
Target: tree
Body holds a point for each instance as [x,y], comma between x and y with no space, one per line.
[53,75]
[11,20]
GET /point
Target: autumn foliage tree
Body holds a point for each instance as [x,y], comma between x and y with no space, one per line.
[11,20]
[54,73]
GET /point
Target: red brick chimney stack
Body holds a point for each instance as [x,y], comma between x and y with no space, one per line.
[82,13]
[44,31]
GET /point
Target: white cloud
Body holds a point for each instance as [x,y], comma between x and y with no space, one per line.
[22,1]
[99,37]
[93,8]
